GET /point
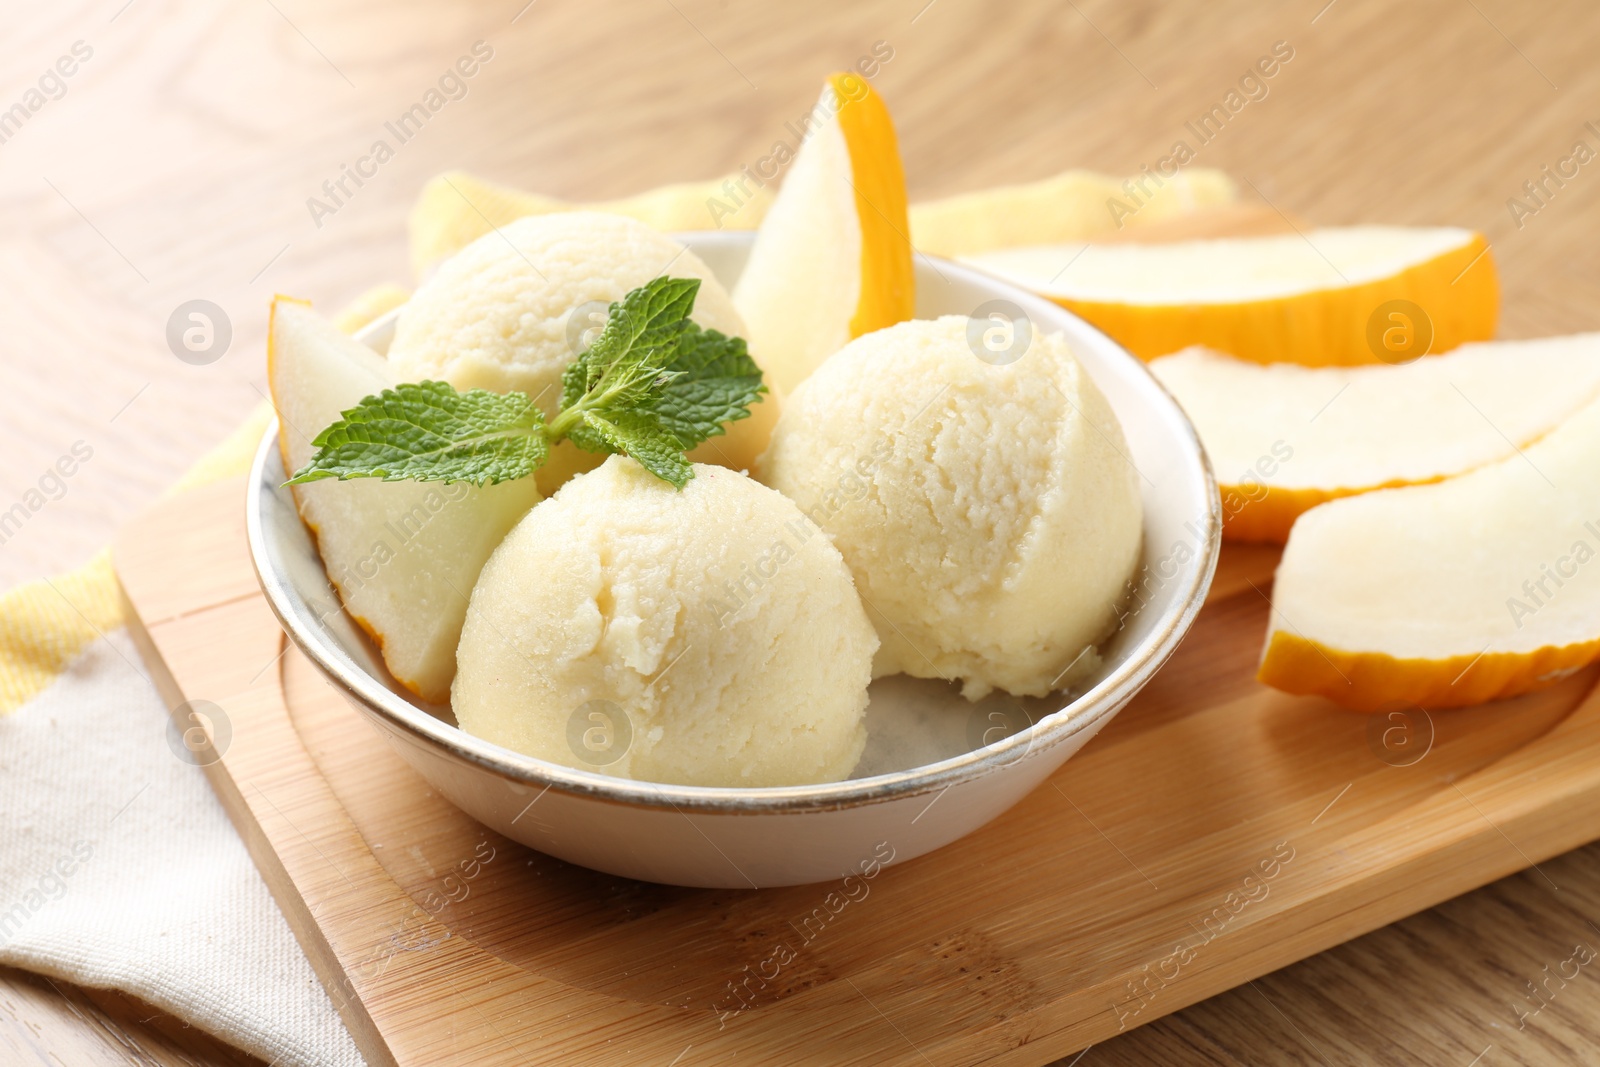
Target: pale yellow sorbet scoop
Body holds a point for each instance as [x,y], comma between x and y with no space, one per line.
[710,636]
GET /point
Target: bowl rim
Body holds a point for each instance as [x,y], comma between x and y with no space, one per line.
[1086,712]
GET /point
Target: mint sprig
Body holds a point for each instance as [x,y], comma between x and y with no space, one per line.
[714,381]
[653,385]
[426,431]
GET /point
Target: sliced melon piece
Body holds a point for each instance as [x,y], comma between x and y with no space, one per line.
[1471,589]
[832,259]
[1317,298]
[404,556]
[1075,205]
[1283,439]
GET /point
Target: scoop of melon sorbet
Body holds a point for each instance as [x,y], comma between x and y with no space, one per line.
[710,636]
[987,508]
[516,306]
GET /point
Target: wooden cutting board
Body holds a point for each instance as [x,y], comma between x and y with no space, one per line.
[1214,831]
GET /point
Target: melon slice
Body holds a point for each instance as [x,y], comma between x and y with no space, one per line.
[832,259]
[404,556]
[1325,297]
[1471,589]
[1283,439]
[1075,205]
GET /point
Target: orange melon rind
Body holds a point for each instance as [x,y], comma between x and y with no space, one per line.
[887,288]
[1250,515]
[1321,324]
[1371,681]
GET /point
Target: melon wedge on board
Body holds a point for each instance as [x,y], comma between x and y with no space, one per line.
[1471,589]
[1075,205]
[1323,297]
[1283,439]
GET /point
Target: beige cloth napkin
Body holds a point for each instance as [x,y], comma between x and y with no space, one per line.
[118,868]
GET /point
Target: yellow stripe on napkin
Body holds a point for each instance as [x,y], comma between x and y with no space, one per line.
[44,624]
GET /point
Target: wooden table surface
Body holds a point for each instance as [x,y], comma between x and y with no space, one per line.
[178,161]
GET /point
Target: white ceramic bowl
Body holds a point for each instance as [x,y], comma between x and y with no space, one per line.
[925,740]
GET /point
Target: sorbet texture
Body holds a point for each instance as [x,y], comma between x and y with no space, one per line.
[709,636]
[514,308]
[987,510]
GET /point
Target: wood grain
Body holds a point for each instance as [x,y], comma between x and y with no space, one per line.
[1214,831]
[178,163]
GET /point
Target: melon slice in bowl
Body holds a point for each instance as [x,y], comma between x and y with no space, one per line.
[832,259]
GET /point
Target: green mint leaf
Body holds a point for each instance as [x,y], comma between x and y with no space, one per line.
[639,338]
[714,381]
[648,379]
[428,432]
[637,434]
[652,385]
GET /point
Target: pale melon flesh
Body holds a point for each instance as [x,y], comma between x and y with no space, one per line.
[1223,270]
[1071,206]
[832,259]
[1471,589]
[802,282]
[1283,438]
[403,555]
